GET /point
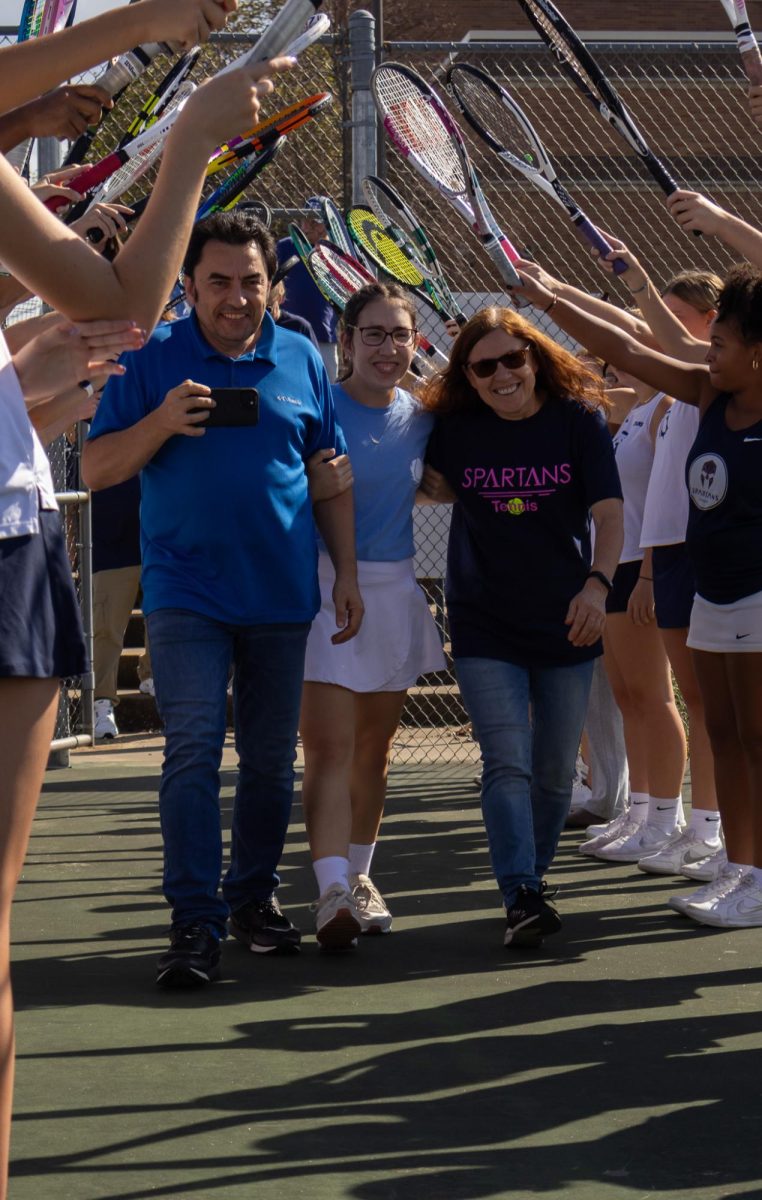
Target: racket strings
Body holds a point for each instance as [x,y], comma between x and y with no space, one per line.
[560,46]
[398,225]
[498,120]
[416,123]
[373,238]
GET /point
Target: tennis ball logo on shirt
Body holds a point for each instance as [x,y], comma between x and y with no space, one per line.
[515,506]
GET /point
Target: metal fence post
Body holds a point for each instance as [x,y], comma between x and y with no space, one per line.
[362,59]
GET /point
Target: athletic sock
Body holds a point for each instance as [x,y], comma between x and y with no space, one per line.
[706,823]
[663,813]
[331,870]
[638,806]
[360,858]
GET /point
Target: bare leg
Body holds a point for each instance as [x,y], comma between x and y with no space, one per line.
[377,720]
[703,790]
[745,679]
[27,717]
[730,763]
[328,735]
[642,686]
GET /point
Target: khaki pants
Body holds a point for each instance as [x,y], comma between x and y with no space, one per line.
[114,594]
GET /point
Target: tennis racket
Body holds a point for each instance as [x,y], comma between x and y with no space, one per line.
[283,34]
[280,124]
[369,234]
[227,195]
[502,123]
[284,268]
[339,275]
[747,43]
[423,131]
[155,104]
[578,63]
[406,230]
[39,17]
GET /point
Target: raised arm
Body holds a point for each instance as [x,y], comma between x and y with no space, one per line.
[27,69]
[71,276]
[680,380]
[590,304]
[694,212]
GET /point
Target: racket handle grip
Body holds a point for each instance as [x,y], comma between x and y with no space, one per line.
[596,239]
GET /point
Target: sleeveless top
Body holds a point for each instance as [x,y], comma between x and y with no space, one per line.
[26,485]
[666,511]
[724,477]
[634,457]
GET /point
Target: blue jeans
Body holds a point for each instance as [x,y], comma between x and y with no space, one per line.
[191,657]
[528,760]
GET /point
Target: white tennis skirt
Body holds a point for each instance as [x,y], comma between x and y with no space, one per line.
[398,639]
[727,628]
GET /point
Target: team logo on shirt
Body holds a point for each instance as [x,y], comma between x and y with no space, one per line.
[708,480]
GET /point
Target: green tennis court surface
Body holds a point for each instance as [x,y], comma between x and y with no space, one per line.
[621,1062]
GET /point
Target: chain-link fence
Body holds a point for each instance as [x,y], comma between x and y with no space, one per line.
[690,101]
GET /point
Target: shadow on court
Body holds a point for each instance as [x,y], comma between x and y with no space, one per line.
[621,1061]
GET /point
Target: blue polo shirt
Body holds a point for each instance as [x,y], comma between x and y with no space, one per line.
[226,519]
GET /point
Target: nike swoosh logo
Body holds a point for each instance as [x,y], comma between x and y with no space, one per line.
[746,909]
[743,635]
[753,439]
[667,807]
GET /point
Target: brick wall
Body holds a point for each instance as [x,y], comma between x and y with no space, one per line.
[442,20]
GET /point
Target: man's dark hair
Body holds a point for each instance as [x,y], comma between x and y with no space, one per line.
[234,228]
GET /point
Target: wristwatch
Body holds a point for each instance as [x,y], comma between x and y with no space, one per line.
[604,579]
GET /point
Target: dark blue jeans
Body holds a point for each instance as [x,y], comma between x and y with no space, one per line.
[528,759]
[191,656]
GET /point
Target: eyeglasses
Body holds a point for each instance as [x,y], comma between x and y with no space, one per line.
[512,359]
[373,335]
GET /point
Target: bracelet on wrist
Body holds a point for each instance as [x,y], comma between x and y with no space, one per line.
[637,291]
[552,304]
[647,578]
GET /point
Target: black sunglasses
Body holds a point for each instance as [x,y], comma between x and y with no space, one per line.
[512,359]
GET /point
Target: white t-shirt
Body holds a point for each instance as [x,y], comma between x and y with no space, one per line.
[26,485]
[665,517]
[634,457]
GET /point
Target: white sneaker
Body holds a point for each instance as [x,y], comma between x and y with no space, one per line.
[581,795]
[610,828]
[621,826]
[727,879]
[146,687]
[682,849]
[707,868]
[105,725]
[739,907]
[631,847]
[372,912]
[337,922]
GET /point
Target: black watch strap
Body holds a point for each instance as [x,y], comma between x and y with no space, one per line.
[604,579]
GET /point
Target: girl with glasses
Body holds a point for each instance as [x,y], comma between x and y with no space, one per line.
[523,445]
[354,693]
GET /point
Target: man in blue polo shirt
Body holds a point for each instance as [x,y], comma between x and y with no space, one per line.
[303,297]
[229,576]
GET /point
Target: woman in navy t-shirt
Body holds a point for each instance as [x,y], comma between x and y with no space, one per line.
[724,540]
[523,444]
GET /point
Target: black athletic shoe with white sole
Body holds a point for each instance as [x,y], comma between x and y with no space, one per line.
[193,958]
[530,918]
[262,927]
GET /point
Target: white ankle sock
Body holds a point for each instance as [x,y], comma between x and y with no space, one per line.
[663,813]
[638,806]
[331,870]
[360,858]
[706,823]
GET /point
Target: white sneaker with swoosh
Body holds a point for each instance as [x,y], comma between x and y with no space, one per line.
[740,908]
[682,849]
[726,881]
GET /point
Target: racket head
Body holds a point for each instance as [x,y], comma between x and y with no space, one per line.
[369,234]
[285,121]
[420,127]
[334,222]
[301,243]
[229,193]
[160,97]
[500,121]
[569,50]
[337,275]
[284,268]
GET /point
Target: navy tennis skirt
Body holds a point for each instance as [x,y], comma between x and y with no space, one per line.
[674,586]
[40,625]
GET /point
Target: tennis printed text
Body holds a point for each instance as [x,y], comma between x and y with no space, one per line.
[516,490]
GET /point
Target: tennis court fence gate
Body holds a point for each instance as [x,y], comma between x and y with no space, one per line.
[689,99]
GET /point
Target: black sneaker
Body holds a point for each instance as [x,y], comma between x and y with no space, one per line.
[262,927]
[530,918]
[193,958]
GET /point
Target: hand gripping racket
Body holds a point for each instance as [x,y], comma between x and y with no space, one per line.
[747,43]
[369,234]
[404,228]
[283,33]
[424,133]
[578,63]
[502,123]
